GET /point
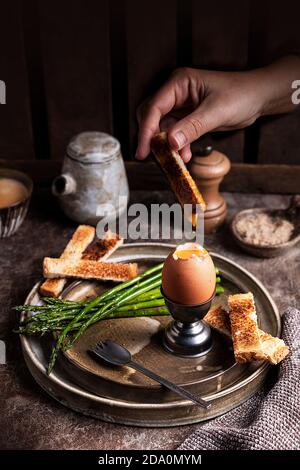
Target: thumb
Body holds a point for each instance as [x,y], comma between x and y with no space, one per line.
[193,126]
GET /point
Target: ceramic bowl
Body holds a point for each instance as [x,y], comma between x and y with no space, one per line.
[12,217]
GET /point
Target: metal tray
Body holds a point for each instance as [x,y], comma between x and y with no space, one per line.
[121,395]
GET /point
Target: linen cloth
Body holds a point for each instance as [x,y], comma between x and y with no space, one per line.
[270,420]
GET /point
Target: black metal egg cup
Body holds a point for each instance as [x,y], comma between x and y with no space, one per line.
[187,335]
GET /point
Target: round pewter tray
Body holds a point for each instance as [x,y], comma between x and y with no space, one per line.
[123,396]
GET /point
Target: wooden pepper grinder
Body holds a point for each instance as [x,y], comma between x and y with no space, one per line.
[208,170]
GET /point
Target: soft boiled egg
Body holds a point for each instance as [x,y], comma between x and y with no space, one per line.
[189,276]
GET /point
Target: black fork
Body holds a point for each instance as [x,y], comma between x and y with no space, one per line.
[116,354]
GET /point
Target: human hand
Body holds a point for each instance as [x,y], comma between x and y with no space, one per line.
[193,102]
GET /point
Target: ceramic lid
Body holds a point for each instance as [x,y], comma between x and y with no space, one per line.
[93,147]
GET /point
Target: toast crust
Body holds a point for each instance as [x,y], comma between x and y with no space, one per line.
[82,237]
[53,287]
[218,319]
[103,248]
[181,182]
[85,269]
[271,349]
[81,246]
[243,322]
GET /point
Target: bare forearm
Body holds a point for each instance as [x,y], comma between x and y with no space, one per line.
[194,102]
[276,81]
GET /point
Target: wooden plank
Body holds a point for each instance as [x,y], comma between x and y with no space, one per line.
[277,34]
[119,76]
[151,51]
[220,41]
[41,171]
[75,52]
[277,179]
[15,118]
[32,45]
[220,34]
[279,140]
[242,178]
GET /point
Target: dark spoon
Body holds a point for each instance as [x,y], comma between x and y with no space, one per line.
[116,354]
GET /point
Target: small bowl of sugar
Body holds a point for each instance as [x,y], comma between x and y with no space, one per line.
[268,233]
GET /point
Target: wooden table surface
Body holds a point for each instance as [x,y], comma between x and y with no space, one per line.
[29,418]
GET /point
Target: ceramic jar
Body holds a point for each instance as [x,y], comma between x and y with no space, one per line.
[93,181]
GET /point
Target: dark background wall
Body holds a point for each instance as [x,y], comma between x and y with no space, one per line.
[87,64]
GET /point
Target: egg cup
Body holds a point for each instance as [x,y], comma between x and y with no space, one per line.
[187,335]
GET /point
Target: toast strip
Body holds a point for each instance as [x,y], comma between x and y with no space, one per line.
[85,269]
[218,319]
[244,327]
[271,349]
[80,240]
[82,237]
[103,248]
[100,250]
[53,287]
[181,182]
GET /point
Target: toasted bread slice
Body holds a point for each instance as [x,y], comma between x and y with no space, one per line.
[53,287]
[103,248]
[177,174]
[218,319]
[271,349]
[82,237]
[85,269]
[244,327]
[81,248]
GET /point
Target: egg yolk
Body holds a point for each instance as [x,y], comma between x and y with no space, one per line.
[186,253]
[194,219]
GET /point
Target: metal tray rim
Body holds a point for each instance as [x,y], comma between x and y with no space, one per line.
[25,342]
